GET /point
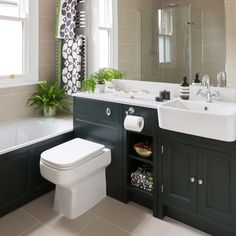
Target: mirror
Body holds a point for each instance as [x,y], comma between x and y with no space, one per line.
[162,41]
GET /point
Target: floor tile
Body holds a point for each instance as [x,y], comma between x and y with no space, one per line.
[41,230]
[102,228]
[42,208]
[16,223]
[166,227]
[123,215]
[67,227]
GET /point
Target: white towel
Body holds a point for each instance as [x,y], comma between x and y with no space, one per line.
[66,19]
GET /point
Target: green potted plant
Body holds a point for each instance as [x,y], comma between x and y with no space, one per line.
[98,79]
[49,98]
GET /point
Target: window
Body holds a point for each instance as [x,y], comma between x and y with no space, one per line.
[107,33]
[165,28]
[18,41]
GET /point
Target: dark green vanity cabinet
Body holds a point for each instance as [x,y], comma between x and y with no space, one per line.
[101,122]
[20,179]
[194,177]
[199,182]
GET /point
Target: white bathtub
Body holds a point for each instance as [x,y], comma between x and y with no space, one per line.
[24,132]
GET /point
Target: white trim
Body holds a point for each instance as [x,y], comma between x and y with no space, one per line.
[30,46]
[19,84]
[111,25]
[12,18]
[115,34]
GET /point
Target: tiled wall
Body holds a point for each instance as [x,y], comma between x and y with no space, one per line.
[130,35]
[12,100]
[231,42]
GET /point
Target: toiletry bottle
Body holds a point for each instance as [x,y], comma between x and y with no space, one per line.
[184,89]
[197,81]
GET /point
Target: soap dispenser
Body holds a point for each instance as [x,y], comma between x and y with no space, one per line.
[197,81]
[184,89]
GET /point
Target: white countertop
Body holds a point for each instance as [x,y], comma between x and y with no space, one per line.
[142,100]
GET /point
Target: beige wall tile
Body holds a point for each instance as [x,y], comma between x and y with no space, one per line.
[47,55]
[47,27]
[47,73]
[5,91]
[47,8]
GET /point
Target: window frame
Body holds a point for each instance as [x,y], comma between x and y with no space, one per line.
[165,35]
[112,29]
[30,46]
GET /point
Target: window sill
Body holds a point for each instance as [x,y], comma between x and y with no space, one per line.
[17,84]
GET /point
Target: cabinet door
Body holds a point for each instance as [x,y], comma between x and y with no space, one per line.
[111,137]
[14,178]
[179,175]
[217,191]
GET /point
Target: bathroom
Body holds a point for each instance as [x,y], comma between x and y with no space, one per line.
[78,172]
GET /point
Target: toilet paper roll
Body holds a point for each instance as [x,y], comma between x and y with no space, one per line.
[134,123]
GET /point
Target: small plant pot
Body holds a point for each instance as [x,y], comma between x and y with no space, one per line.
[49,111]
[100,88]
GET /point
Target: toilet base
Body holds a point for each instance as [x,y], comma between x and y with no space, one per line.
[73,202]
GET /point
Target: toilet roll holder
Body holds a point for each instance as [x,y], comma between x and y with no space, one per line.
[130,111]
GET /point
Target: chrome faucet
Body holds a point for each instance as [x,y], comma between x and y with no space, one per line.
[208,94]
[221,79]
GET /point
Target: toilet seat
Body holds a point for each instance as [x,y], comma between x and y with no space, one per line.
[70,154]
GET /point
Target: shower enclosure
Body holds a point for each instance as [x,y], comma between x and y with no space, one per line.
[175,48]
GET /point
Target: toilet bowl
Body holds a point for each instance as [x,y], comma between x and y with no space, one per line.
[77,168]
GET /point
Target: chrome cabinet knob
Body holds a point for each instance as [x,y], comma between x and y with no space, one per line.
[200,181]
[192,179]
[108,111]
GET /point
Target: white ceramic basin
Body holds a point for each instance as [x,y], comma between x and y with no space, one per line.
[215,120]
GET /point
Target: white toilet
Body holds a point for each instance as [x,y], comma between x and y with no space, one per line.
[77,168]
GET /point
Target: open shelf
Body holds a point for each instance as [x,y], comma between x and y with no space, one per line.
[142,159]
[140,192]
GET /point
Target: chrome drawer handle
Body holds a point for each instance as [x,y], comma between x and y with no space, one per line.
[200,181]
[192,179]
[108,111]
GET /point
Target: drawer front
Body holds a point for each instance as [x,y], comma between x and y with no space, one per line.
[93,110]
[149,115]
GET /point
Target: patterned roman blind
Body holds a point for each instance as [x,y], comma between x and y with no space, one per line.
[71,51]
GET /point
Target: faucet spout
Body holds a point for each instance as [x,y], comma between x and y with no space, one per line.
[208,94]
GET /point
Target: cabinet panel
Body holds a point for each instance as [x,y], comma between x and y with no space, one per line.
[111,137]
[179,166]
[20,178]
[14,177]
[98,111]
[217,193]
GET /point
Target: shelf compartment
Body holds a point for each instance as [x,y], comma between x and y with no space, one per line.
[141,159]
[137,138]
[140,192]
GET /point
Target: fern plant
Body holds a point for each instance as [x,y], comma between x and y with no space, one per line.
[48,96]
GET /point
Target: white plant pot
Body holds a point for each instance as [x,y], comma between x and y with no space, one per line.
[100,88]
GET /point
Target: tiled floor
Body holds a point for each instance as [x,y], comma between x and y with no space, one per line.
[108,218]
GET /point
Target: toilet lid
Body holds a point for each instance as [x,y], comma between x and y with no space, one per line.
[71,153]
